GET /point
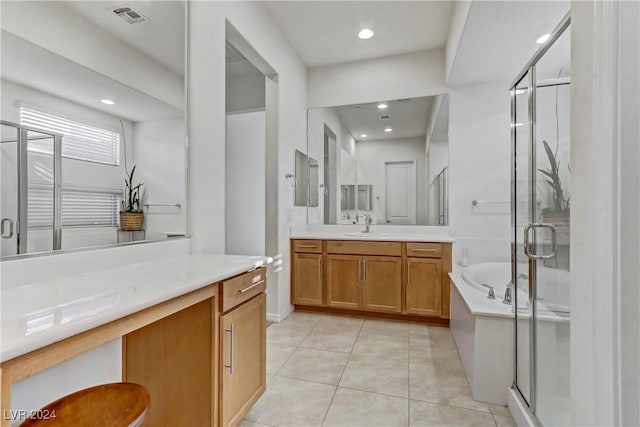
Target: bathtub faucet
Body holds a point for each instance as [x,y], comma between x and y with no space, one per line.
[507,294]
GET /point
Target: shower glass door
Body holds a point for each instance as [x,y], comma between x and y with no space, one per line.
[9,201]
[30,198]
[540,101]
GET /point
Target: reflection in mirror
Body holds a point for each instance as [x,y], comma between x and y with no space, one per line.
[313,182]
[301,179]
[388,163]
[87,95]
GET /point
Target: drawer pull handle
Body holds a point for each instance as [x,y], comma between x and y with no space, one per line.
[424,250]
[248,288]
[307,246]
[230,365]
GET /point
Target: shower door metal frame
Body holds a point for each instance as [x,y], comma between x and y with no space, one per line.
[23,185]
[530,69]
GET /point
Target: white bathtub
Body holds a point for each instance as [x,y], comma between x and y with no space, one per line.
[483,328]
[552,284]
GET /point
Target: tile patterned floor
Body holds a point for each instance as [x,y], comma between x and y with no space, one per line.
[327,370]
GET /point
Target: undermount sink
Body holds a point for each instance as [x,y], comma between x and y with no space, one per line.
[362,234]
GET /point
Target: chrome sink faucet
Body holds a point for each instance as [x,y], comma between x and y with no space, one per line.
[369,221]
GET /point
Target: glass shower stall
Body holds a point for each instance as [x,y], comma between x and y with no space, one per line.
[540,200]
[30,176]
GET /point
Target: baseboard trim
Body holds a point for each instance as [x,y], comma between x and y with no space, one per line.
[374,314]
[277,318]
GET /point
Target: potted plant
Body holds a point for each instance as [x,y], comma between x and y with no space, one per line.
[131,214]
[558,213]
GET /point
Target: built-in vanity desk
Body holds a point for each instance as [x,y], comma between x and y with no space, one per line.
[193,332]
[391,275]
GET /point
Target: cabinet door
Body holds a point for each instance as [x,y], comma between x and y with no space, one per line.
[344,286]
[243,359]
[307,279]
[382,284]
[424,290]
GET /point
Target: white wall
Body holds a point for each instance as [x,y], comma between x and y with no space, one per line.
[160,159]
[479,159]
[245,229]
[371,157]
[392,77]
[207,124]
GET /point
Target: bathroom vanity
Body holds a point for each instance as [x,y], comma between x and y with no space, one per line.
[386,278]
[193,332]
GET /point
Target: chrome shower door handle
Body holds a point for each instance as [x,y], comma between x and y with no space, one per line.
[533,255]
[3,229]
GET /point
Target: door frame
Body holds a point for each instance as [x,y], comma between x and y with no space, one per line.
[413,208]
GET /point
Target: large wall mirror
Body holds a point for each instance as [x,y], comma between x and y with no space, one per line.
[387,161]
[92,90]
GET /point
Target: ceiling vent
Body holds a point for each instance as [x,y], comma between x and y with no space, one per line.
[127,14]
[384,117]
[232,54]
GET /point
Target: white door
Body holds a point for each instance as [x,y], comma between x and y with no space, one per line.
[400,192]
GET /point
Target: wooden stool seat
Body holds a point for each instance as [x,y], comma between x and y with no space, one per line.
[113,405]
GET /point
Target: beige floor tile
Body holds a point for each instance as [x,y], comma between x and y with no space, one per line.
[432,414]
[424,330]
[442,351]
[359,408]
[499,410]
[291,402]
[303,317]
[504,420]
[277,354]
[340,322]
[386,376]
[289,333]
[434,383]
[385,328]
[331,338]
[383,346]
[315,365]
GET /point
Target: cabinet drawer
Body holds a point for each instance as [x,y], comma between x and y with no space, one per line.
[364,248]
[312,246]
[424,250]
[243,288]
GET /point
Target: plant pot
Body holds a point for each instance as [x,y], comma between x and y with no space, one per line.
[131,221]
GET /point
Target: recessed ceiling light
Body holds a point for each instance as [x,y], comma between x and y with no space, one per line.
[388,129]
[543,38]
[365,34]
[107,101]
[382,106]
[364,135]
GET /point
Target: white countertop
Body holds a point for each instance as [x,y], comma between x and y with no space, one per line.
[380,233]
[37,314]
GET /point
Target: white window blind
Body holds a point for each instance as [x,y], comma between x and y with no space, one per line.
[80,208]
[80,141]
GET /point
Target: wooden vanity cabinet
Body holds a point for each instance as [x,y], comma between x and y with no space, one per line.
[243,344]
[344,281]
[386,279]
[424,289]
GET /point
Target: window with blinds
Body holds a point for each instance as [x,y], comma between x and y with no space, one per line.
[80,208]
[80,141]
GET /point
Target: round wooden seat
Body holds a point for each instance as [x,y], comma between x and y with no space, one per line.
[113,405]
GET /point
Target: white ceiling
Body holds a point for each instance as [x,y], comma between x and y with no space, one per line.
[408,119]
[325,32]
[32,66]
[500,37]
[162,37]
